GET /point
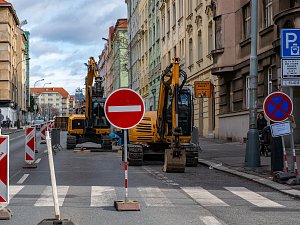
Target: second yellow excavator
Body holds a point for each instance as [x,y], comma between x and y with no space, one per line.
[168,131]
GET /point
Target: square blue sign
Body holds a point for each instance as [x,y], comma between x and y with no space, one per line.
[290,43]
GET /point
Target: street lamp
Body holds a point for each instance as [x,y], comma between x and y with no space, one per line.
[17,92]
[35,106]
[46,83]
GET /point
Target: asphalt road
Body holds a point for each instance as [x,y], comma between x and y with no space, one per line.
[88,183]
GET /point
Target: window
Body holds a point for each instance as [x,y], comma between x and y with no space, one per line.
[268,13]
[218,28]
[181,5]
[190,6]
[210,38]
[270,83]
[190,51]
[247,92]
[49,94]
[168,20]
[169,57]
[175,51]
[200,53]
[50,99]
[181,49]
[247,21]
[174,14]
[163,25]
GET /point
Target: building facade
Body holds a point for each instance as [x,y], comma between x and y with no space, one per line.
[12,65]
[134,44]
[154,68]
[51,101]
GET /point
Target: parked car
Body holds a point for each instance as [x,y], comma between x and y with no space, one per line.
[37,124]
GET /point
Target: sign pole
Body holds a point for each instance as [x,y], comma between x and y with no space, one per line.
[252,158]
[125,165]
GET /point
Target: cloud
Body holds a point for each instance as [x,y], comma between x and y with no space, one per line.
[64,34]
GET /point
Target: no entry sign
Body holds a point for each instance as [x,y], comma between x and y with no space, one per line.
[4,169]
[124,108]
[278,106]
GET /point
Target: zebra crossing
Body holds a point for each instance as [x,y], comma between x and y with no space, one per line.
[104,196]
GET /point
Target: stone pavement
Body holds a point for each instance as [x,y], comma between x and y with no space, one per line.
[230,157]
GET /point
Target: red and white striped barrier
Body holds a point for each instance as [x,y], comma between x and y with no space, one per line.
[48,126]
[286,165]
[43,133]
[4,169]
[126,179]
[30,145]
[295,163]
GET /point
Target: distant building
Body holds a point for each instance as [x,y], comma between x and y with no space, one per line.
[72,104]
[51,101]
[13,67]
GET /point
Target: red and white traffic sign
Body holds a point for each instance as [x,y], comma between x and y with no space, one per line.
[124,108]
[30,145]
[43,133]
[4,169]
[278,106]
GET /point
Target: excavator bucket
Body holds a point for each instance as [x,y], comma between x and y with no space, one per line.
[175,160]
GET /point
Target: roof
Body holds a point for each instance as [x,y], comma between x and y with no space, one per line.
[11,8]
[4,2]
[60,90]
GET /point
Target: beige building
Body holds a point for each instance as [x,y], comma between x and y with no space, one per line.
[199,44]
[187,32]
[51,101]
[12,64]
[144,54]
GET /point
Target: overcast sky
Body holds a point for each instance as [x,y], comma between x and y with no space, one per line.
[64,34]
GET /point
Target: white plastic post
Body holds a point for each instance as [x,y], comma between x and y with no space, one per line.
[125,165]
[52,174]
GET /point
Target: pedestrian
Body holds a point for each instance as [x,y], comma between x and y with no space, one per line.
[261,122]
[8,122]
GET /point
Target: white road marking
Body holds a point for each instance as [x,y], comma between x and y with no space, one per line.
[253,197]
[14,189]
[129,108]
[102,196]
[46,198]
[23,178]
[203,197]
[11,139]
[209,220]
[153,196]
[38,160]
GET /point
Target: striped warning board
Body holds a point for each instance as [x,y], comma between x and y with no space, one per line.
[30,145]
[4,169]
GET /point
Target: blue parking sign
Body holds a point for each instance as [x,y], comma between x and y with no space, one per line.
[290,43]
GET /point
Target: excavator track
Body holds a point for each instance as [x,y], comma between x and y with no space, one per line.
[135,155]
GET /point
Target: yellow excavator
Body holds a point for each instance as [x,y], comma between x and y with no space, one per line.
[93,125]
[167,132]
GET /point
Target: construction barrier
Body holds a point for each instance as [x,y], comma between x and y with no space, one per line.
[5,214]
[4,169]
[30,145]
[43,133]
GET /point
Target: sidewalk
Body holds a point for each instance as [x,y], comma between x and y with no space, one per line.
[230,157]
[6,131]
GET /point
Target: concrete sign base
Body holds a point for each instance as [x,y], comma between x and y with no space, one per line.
[5,214]
[56,222]
[127,206]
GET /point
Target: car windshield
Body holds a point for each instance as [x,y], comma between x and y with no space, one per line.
[38,121]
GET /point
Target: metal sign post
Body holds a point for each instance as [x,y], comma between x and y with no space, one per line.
[124,109]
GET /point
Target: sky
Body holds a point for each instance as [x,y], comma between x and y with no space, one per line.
[63,35]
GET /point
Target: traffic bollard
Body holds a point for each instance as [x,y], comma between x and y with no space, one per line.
[30,148]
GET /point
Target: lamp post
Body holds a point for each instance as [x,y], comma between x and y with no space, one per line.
[46,83]
[17,92]
[35,106]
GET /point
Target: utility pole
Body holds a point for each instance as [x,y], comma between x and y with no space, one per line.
[252,158]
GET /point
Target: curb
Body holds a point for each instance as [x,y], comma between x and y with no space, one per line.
[269,183]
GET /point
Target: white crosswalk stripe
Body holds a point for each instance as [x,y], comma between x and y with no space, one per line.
[203,197]
[153,196]
[14,189]
[46,198]
[253,197]
[102,196]
[209,220]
